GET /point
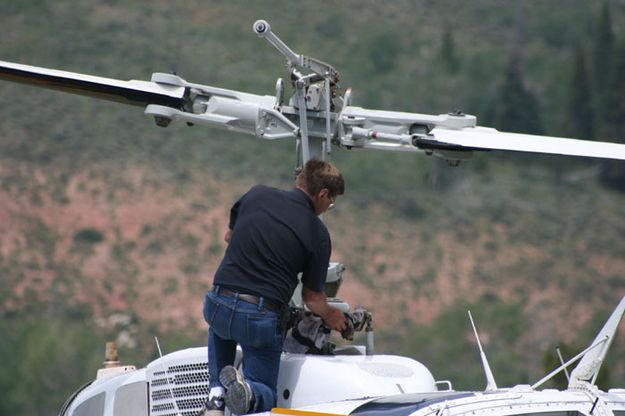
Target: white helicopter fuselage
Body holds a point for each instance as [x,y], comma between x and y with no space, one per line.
[350,382]
[177,383]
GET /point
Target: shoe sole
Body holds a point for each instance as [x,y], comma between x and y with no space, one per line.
[238,395]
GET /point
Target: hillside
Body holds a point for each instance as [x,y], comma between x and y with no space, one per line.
[111,227]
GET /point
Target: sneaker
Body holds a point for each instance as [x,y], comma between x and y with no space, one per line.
[238,393]
[214,407]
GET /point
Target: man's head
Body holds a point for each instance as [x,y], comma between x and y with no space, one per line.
[322,181]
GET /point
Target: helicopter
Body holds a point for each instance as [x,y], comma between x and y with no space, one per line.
[316,119]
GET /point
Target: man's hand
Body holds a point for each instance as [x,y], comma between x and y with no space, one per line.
[228,236]
[335,319]
[316,302]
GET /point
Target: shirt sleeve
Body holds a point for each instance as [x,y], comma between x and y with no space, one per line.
[234,212]
[316,271]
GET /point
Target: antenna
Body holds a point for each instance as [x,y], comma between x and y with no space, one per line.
[566,372]
[490,379]
[171,392]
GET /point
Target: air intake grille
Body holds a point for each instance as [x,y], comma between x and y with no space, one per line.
[188,384]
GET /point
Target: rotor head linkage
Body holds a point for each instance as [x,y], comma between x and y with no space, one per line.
[263,30]
[301,62]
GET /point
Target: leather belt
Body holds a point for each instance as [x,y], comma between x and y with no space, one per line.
[255,300]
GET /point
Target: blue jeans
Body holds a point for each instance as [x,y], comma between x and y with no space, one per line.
[233,321]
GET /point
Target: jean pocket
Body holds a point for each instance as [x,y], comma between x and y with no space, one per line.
[210,309]
[262,331]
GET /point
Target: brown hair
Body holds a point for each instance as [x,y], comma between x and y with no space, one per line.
[319,174]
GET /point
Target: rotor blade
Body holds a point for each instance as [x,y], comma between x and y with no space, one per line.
[140,93]
[491,139]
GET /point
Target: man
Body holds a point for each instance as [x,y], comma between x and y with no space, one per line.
[273,235]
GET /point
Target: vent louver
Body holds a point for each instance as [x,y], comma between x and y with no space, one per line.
[188,383]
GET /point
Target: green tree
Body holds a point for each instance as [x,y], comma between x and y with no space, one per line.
[603,53]
[384,49]
[615,110]
[603,47]
[44,363]
[580,120]
[613,173]
[450,338]
[449,56]
[516,108]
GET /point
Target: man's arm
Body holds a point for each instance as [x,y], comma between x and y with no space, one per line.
[316,302]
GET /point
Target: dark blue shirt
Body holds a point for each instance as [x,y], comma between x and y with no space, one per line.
[275,235]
